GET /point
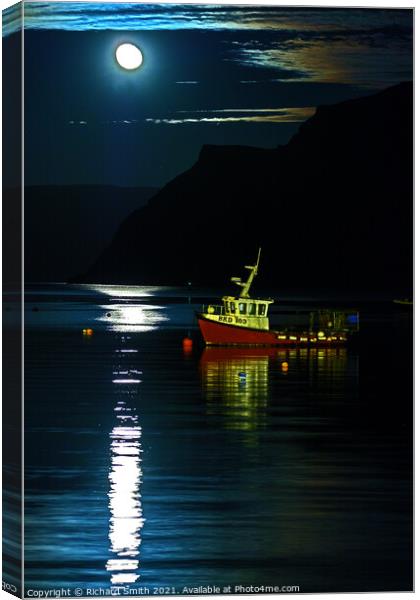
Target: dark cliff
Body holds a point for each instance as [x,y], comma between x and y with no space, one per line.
[67,227]
[332,208]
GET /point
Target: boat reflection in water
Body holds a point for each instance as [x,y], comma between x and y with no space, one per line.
[326,364]
[126,515]
[236,384]
[240,382]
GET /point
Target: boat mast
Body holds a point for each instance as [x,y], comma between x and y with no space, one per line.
[245,285]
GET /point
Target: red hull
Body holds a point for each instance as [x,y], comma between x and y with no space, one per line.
[226,335]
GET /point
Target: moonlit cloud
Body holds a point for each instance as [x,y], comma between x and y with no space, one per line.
[366,57]
[220,115]
[363,47]
[239,115]
[111,122]
[303,112]
[122,122]
[12,18]
[81,16]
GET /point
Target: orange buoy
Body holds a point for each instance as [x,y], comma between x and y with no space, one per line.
[187,343]
[87,331]
[284,366]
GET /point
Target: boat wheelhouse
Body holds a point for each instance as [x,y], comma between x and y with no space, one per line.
[242,311]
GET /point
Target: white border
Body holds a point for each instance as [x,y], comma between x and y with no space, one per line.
[23,299]
[398,4]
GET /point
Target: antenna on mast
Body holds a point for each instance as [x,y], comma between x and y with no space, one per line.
[245,285]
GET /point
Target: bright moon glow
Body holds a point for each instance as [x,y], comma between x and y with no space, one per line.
[129,56]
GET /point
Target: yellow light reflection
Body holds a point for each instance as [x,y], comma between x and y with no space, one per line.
[328,363]
[235,381]
[126,520]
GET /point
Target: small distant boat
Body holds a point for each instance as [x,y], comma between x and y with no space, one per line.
[242,320]
[403,301]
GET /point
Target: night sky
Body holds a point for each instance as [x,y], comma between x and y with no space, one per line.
[211,75]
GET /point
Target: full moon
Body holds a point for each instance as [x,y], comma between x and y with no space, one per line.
[129,56]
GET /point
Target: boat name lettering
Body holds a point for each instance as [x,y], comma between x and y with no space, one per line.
[225,319]
[241,321]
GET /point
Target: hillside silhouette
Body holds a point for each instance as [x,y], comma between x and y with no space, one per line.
[67,227]
[332,208]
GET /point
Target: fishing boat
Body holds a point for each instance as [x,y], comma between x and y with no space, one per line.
[244,321]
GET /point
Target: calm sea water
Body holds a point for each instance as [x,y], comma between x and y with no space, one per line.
[148,465]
